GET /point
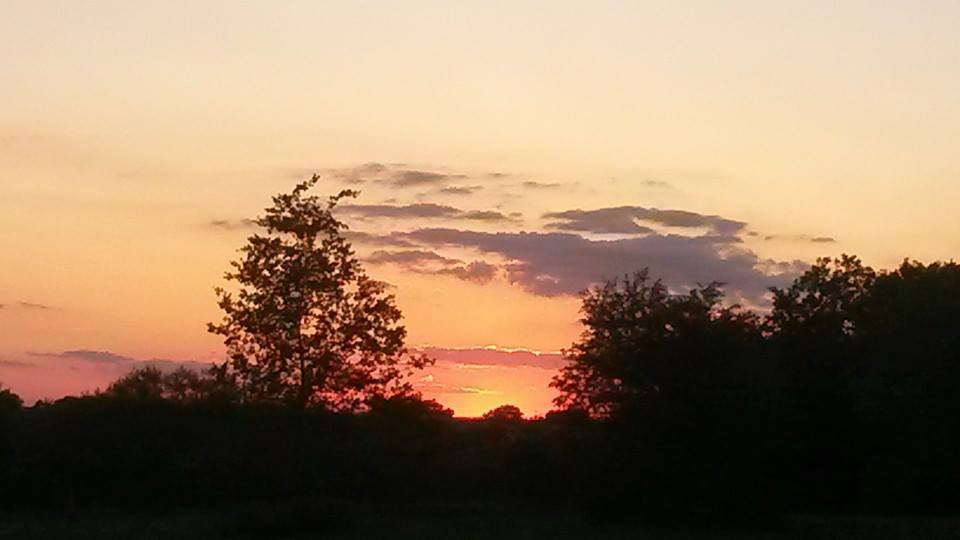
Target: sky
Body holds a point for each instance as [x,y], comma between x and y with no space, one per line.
[508,154]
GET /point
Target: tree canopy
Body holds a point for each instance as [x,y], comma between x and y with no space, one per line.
[305,324]
[640,340]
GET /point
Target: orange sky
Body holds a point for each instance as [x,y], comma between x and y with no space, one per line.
[134,140]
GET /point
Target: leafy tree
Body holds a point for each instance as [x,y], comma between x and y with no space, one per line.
[9,401]
[143,383]
[306,325]
[814,327]
[408,407]
[504,413]
[908,360]
[641,341]
[678,376]
[180,385]
[821,303]
[914,308]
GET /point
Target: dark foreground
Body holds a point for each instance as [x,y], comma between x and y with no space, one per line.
[462,522]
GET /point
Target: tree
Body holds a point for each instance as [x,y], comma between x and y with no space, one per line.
[821,303]
[677,376]
[641,341]
[182,385]
[139,384]
[306,325]
[904,388]
[9,401]
[813,329]
[504,413]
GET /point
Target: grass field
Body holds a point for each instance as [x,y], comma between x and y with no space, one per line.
[441,522]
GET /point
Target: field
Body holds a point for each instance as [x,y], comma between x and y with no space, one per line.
[464,522]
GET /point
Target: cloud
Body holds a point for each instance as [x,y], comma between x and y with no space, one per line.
[418,210]
[429,262]
[598,221]
[799,238]
[487,215]
[460,190]
[784,268]
[230,225]
[394,174]
[99,357]
[407,258]
[656,183]
[421,211]
[414,177]
[117,360]
[417,178]
[359,174]
[623,220]
[552,264]
[541,185]
[31,305]
[16,364]
[477,272]
[439,388]
[391,240]
[491,356]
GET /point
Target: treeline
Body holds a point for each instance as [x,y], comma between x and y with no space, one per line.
[674,406]
[842,398]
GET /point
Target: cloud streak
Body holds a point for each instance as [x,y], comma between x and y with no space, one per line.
[459,190]
[429,262]
[15,364]
[800,238]
[409,211]
[623,220]
[412,257]
[233,224]
[541,185]
[422,211]
[494,357]
[107,358]
[33,305]
[29,306]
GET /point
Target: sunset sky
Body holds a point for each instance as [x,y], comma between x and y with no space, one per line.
[508,155]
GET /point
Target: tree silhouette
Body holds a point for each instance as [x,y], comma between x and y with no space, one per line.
[182,385]
[821,303]
[641,341]
[143,383]
[504,413]
[677,375]
[9,401]
[306,325]
[814,326]
[904,389]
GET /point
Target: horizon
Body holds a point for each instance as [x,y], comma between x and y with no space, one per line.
[507,157]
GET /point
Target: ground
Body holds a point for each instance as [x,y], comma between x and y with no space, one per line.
[463,522]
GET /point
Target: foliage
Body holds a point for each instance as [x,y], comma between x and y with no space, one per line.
[9,401]
[504,413]
[307,326]
[641,340]
[180,385]
[822,303]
